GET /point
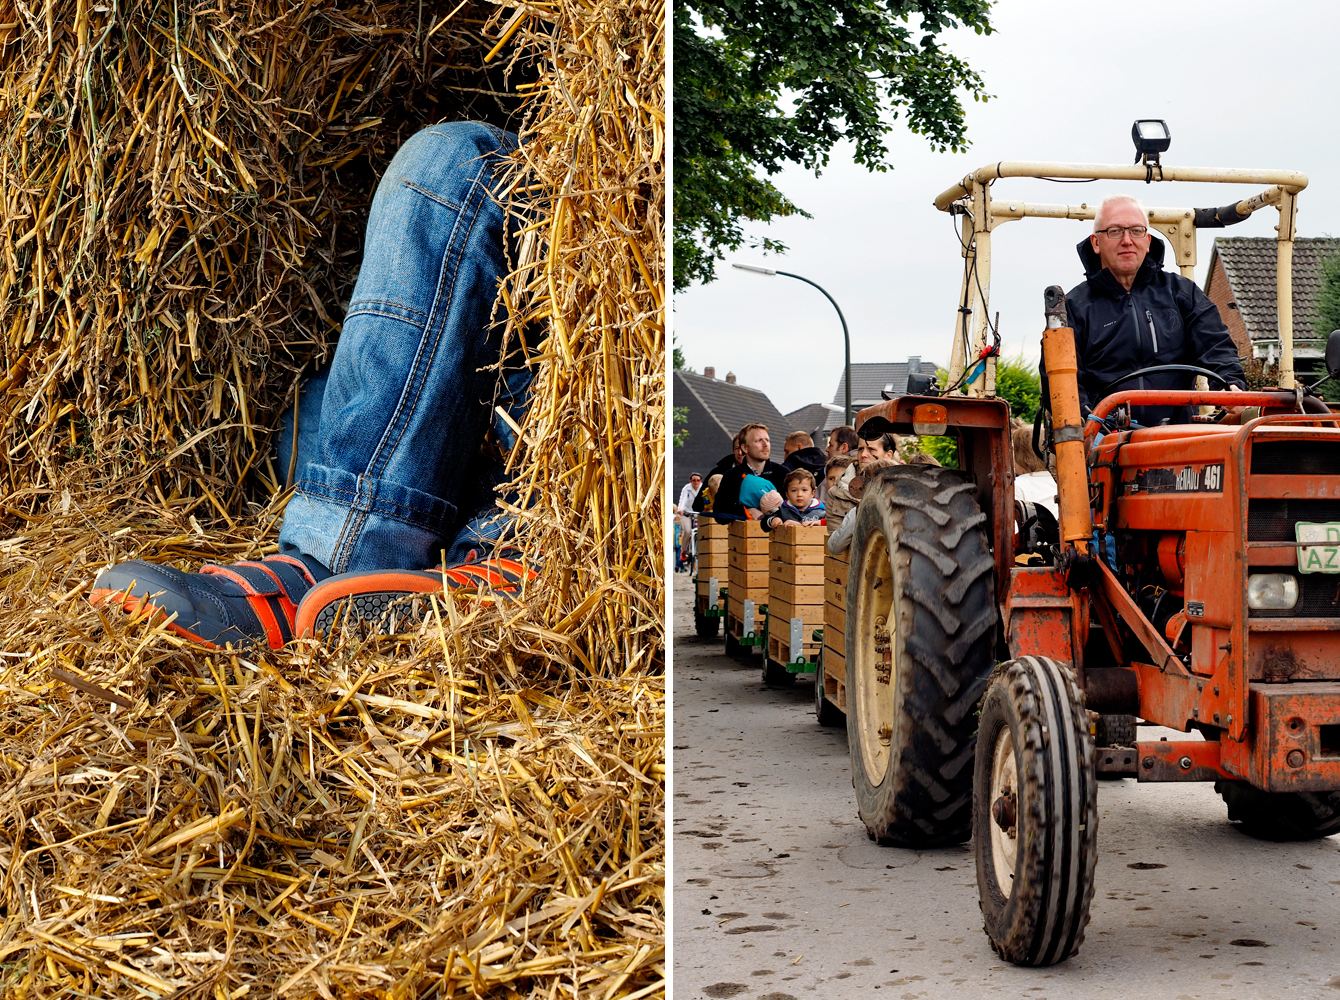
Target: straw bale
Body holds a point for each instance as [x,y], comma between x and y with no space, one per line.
[184,189]
[476,808]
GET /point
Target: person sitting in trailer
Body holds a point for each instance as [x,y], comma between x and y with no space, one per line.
[1129,313]
[799,452]
[757,447]
[801,505]
[881,447]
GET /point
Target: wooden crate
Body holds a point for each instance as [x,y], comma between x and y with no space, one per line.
[779,644]
[811,614]
[805,574]
[749,562]
[747,576]
[835,627]
[795,587]
[801,546]
[712,530]
[735,617]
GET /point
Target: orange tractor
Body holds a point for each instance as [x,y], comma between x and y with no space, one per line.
[1189,581]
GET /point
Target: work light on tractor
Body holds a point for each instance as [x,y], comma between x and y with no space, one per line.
[993,675]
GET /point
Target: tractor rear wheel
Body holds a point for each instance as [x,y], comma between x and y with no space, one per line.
[921,590]
[1035,812]
[1280,815]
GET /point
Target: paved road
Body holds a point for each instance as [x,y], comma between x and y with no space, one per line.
[779,895]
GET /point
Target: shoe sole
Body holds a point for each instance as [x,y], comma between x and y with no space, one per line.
[134,605]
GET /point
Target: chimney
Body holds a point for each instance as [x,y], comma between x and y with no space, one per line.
[710,372]
[730,377]
[914,365]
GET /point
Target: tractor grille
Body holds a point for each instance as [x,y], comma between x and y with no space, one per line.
[1295,458]
[1273,520]
[1318,596]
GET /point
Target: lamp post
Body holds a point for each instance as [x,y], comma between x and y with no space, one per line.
[846,338]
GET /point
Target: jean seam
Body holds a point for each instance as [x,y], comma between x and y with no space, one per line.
[357,308]
[376,504]
[469,215]
[429,194]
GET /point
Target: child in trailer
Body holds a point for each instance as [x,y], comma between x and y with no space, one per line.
[801,506]
[834,469]
[758,497]
[849,497]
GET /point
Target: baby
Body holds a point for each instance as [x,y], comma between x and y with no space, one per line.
[801,506]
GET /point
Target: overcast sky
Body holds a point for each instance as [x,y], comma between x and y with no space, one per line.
[1240,85]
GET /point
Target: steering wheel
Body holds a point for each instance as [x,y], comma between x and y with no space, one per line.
[1223,382]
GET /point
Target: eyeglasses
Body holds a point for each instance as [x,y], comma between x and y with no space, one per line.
[1116,232]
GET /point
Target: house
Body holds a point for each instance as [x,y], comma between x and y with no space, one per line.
[717,409]
[812,419]
[868,381]
[1241,282]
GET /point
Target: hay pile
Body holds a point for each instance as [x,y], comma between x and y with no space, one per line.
[476,809]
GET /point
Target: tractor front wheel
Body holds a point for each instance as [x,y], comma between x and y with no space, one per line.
[1280,815]
[1035,812]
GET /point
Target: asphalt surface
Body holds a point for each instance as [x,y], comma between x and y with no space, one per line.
[779,895]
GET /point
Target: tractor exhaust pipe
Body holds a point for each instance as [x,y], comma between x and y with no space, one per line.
[1072,475]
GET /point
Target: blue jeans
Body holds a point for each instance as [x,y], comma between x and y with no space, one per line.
[395,462]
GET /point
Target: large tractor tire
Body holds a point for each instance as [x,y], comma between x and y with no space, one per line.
[1035,812]
[1280,815]
[921,600]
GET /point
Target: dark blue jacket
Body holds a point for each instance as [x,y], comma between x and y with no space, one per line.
[789,512]
[1165,319]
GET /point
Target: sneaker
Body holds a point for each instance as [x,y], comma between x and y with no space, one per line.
[386,599]
[246,604]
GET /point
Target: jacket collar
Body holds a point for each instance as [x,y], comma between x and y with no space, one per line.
[1101,279]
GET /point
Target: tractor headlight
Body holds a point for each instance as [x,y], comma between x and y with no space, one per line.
[1272,591]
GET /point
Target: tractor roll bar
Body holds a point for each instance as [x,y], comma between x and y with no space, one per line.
[971,199]
[1291,180]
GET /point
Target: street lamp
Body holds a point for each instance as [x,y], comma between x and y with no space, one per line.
[846,339]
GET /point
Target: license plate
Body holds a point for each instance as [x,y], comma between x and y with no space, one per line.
[1318,546]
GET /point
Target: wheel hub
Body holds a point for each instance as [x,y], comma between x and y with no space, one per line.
[1004,811]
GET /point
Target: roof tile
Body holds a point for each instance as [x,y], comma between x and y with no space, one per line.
[1249,265]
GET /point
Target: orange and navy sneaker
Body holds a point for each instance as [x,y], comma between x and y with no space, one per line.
[246,604]
[395,600]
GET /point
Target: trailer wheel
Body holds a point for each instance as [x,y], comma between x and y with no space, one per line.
[921,594]
[705,627]
[1035,812]
[733,647]
[825,711]
[1280,815]
[775,674]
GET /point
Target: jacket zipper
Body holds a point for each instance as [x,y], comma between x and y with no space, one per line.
[1140,384]
[1153,334]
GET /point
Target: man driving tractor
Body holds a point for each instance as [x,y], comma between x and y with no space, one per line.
[1128,314]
